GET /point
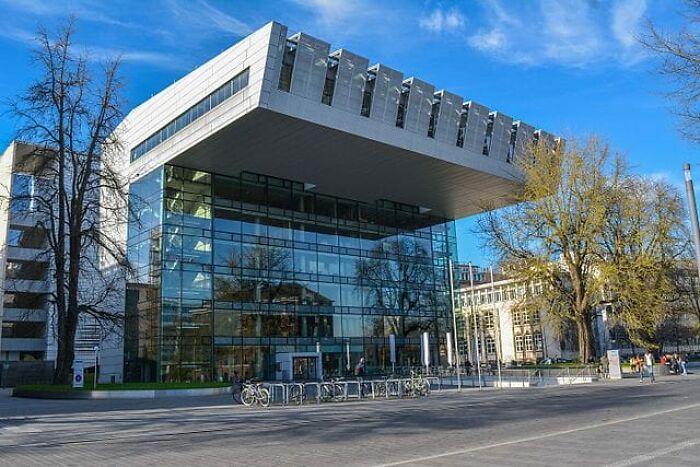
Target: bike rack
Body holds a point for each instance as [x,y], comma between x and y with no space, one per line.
[284,389]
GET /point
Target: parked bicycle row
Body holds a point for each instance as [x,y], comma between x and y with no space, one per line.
[267,393]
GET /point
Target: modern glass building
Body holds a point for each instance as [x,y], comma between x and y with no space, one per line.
[292,210]
[235,270]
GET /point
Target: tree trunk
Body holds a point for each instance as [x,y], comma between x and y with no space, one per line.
[584,332]
[67,326]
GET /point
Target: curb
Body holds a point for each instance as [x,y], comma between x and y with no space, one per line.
[117,394]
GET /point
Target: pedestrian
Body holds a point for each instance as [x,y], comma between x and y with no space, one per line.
[639,363]
[469,368]
[236,386]
[684,364]
[648,367]
[605,366]
[360,368]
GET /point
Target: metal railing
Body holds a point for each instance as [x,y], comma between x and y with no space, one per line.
[296,393]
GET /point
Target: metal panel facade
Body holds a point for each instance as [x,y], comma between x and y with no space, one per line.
[477,122]
[386,95]
[524,136]
[420,104]
[448,117]
[309,73]
[546,138]
[350,81]
[500,135]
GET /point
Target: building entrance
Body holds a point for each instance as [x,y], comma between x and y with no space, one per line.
[299,366]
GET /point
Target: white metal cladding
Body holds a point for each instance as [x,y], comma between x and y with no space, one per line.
[524,137]
[477,122]
[545,138]
[350,81]
[502,125]
[386,94]
[419,106]
[310,62]
[447,121]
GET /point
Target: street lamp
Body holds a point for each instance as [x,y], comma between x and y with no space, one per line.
[97,362]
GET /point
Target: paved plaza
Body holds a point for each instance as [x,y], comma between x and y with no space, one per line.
[617,423]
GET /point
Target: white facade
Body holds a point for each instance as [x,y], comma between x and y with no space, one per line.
[505,332]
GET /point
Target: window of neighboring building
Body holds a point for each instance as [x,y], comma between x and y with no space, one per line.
[488,319]
[23,329]
[518,343]
[22,193]
[529,346]
[26,237]
[24,300]
[490,344]
[26,270]
[538,341]
[517,318]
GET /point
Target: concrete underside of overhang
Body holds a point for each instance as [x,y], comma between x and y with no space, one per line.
[347,165]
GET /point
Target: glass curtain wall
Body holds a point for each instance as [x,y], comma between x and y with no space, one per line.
[252,266]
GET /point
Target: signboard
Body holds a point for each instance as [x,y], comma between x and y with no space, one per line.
[78,376]
[392,348]
[426,349]
[614,368]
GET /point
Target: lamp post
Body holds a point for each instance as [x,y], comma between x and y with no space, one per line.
[97,363]
[693,209]
[476,336]
[454,322]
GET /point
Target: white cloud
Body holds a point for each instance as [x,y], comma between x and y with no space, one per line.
[202,17]
[571,33]
[440,21]
[626,21]
[488,41]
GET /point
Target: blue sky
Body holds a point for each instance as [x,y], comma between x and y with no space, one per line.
[569,67]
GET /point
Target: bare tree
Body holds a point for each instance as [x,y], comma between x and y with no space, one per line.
[70,114]
[679,54]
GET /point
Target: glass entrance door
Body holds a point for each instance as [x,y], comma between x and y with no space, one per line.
[305,368]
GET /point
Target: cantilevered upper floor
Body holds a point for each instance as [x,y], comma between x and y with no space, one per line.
[290,107]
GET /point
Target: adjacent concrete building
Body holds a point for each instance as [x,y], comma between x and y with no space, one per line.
[28,343]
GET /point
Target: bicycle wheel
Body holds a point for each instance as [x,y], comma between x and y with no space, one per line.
[326,392]
[264,397]
[425,388]
[236,394]
[296,394]
[248,397]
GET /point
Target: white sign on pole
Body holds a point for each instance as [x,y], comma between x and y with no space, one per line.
[614,367]
[78,376]
[450,358]
[392,348]
[426,349]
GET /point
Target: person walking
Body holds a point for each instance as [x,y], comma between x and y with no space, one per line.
[683,360]
[639,363]
[648,367]
[605,366]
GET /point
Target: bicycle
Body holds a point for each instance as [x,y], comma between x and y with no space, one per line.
[331,390]
[296,393]
[255,393]
[417,385]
